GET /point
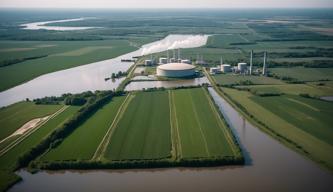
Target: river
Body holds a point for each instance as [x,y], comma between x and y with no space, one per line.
[91,77]
[42,25]
[270,166]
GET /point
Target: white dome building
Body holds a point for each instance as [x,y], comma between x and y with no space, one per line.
[175,70]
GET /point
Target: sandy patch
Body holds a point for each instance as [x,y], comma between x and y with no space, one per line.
[29,125]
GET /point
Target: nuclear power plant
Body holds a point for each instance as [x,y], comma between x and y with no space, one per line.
[242,67]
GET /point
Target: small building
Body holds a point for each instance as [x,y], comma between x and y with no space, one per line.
[163,60]
[214,70]
[226,68]
[186,61]
[172,60]
[242,67]
[148,62]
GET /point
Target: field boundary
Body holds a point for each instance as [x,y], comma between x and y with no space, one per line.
[106,139]
[199,124]
[176,145]
[29,132]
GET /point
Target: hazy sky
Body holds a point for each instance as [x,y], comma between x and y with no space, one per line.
[166,3]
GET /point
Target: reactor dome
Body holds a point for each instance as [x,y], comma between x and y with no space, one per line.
[175,70]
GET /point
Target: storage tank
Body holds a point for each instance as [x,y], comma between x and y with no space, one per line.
[175,70]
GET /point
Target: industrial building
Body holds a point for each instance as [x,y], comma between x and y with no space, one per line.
[242,67]
[148,62]
[163,60]
[226,68]
[175,70]
[214,70]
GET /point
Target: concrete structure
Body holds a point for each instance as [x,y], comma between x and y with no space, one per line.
[264,66]
[242,67]
[175,70]
[148,62]
[163,60]
[172,60]
[226,68]
[214,70]
[251,60]
[186,61]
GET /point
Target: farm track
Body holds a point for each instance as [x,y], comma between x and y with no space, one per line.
[28,133]
[106,139]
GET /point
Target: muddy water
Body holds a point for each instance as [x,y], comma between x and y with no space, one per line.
[270,166]
[91,77]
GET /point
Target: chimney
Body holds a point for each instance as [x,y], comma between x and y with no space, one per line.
[251,60]
[264,66]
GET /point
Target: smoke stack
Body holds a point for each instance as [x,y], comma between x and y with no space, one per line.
[168,55]
[174,54]
[221,60]
[178,53]
[264,66]
[251,60]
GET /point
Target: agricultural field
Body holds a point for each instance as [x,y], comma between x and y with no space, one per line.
[315,89]
[143,132]
[8,161]
[82,143]
[23,62]
[284,117]
[304,74]
[311,115]
[169,124]
[201,131]
[230,79]
[14,116]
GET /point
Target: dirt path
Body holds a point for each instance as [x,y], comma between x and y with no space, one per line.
[27,129]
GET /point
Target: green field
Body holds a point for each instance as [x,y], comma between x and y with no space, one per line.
[302,123]
[143,132]
[8,161]
[14,116]
[304,74]
[56,56]
[229,79]
[201,131]
[316,89]
[311,115]
[83,142]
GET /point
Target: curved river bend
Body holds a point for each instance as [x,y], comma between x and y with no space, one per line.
[91,77]
[270,166]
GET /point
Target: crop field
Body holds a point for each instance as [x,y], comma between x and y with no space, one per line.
[311,115]
[83,142]
[144,130]
[285,116]
[228,79]
[313,88]
[173,124]
[305,74]
[57,56]
[14,116]
[201,131]
[9,159]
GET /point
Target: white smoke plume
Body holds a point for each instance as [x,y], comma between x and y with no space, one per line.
[174,42]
